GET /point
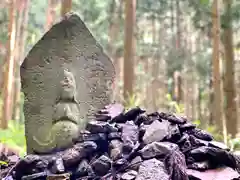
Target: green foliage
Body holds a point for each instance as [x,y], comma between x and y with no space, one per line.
[173,105]
[234,144]
[14,137]
[132,101]
[3,163]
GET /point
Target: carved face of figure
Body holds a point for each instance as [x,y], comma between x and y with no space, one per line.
[68,85]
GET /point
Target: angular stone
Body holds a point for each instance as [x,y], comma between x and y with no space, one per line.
[41,175]
[223,173]
[129,135]
[142,119]
[218,145]
[152,169]
[133,113]
[174,134]
[66,78]
[102,165]
[100,127]
[173,118]
[186,126]
[65,176]
[129,175]
[119,118]
[114,135]
[95,137]
[80,151]
[115,148]
[157,131]
[113,110]
[83,167]
[200,134]
[156,149]
[120,164]
[58,166]
[135,163]
[200,166]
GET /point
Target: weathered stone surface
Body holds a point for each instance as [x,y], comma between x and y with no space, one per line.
[58,166]
[135,163]
[173,118]
[114,135]
[83,167]
[115,147]
[157,131]
[129,135]
[102,165]
[201,134]
[100,127]
[129,175]
[78,152]
[65,176]
[156,149]
[65,78]
[224,173]
[186,126]
[218,145]
[152,169]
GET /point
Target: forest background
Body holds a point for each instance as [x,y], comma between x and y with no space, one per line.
[181,56]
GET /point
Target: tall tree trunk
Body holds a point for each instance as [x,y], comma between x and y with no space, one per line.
[51,14]
[217,99]
[172,21]
[155,68]
[66,7]
[177,82]
[229,85]
[9,74]
[115,16]
[129,47]
[178,15]
[22,31]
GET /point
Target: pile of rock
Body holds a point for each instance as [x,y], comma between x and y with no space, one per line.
[132,145]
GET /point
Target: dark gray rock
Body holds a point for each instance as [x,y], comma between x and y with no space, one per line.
[142,119]
[119,118]
[173,118]
[157,131]
[100,127]
[115,148]
[102,165]
[152,169]
[83,168]
[133,113]
[156,149]
[174,134]
[58,166]
[130,135]
[121,164]
[200,134]
[129,175]
[40,175]
[218,145]
[186,126]
[114,135]
[135,163]
[78,152]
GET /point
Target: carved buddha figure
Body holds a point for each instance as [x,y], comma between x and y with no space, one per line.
[66,117]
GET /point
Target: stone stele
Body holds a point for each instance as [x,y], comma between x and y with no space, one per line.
[65,78]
